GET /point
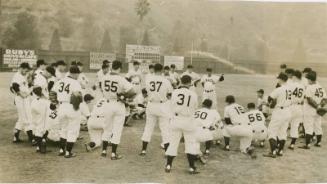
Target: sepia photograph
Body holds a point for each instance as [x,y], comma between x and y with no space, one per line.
[163,91]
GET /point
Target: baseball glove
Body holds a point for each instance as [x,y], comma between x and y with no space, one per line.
[321,111]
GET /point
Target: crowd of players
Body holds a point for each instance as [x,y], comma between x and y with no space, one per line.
[55,105]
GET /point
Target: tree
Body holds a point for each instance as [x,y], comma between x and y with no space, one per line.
[146,38]
[89,32]
[65,23]
[55,44]
[23,35]
[106,45]
[142,8]
[299,55]
[126,36]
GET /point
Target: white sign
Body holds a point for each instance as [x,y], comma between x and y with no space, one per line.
[178,61]
[14,57]
[143,54]
[97,58]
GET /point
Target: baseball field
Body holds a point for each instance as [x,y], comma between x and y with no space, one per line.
[20,163]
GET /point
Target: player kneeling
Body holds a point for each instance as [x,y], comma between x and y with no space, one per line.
[96,124]
[207,120]
[257,120]
[71,117]
[237,126]
[52,118]
[39,109]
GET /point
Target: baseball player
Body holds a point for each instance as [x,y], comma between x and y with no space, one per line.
[52,118]
[61,69]
[84,81]
[304,73]
[297,106]
[157,111]
[105,68]
[209,82]
[39,109]
[135,77]
[151,71]
[140,103]
[72,116]
[40,66]
[169,77]
[19,87]
[96,124]
[115,89]
[41,80]
[175,74]
[282,67]
[314,95]
[184,102]
[237,126]
[207,119]
[262,102]
[280,100]
[257,120]
[65,88]
[195,77]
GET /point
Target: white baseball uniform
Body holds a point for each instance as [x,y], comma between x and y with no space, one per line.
[209,88]
[54,126]
[240,127]
[23,105]
[206,118]
[83,80]
[157,111]
[114,84]
[136,79]
[194,76]
[42,82]
[281,114]
[312,121]
[39,109]
[96,122]
[184,102]
[257,121]
[297,108]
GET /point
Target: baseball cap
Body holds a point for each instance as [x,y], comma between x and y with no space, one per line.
[207,103]
[312,75]
[172,66]
[289,71]
[230,99]
[251,105]
[88,97]
[79,63]
[209,69]
[136,63]
[151,66]
[282,76]
[61,62]
[283,66]
[261,91]
[40,62]
[158,67]
[105,62]
[51,70]
[25,65]
[297,74]
[74,70]
[306,70]
[186,79]
[166,68]
[189,66]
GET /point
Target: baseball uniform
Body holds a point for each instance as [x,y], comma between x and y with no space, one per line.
[184,102]
[136,78]
[257,121]
[39,109]
[96,121]
[54,126]
[205,119]
[297,108]
[42,82]
[114,84]
[209,88]
[60,75]
[195,78]
[240,127]
[157,111]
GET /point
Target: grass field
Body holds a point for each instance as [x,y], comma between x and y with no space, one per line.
[19,163]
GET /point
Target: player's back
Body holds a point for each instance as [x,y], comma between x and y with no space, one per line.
[184,102]
[114,84]
[65,88]
[298,93]
[315,92]
[255,117]
[234,112]
[158,87]
[99,108]
[206,117]
[283,95]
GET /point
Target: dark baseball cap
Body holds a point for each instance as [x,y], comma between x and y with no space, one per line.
[172,66]
[158,67]
[61,62]
[51,70]
[166,68]
[261,91]
[297,74]
[209,69]
[282,76]
[105,62]
[289,71]
[40,62]
[25,65]
[312,75]
[230,99]
[283,66]
[186,79]
[88,97]
[306,70]
[74,70]
[151,66]
[251,105]
[189,66]
[207,103]
[79,63]
[136,63]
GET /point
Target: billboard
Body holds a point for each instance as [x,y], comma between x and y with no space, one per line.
[178,61]
[12,58]
[96,59]
[143,54]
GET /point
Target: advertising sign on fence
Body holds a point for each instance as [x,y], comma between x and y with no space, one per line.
[12,58]
[178,61]
[143,54]
[96,59]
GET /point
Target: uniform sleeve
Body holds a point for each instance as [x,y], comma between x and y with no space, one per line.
[226,113]
[275,93]
[169,87]
[202,79]
[308,93]
[85,110]
[76,87]
[126,85]
[217,116]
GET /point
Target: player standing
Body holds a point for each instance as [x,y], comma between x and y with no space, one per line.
[195,77]
[40,66]
[208,82]
[314,95]
[42,80]
[115,88]
[135,77]
[157,111]
[184,103]
[175,74]
[281,100]
[20,88]
[61,69]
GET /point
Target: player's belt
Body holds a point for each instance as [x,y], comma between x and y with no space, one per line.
[208,91]
[283,107]
[63,102]
[155,101]
[181,115]
[99,116]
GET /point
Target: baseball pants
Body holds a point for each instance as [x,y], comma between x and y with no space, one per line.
[96,128]
[297,118]
[278,125]
[114,121]
[155,113]
[260,132]
[182,126]
[242,131]
[312,123]
[23,107]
